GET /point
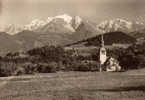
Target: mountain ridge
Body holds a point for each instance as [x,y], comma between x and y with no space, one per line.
[64,29]
[73,22]
[119,25]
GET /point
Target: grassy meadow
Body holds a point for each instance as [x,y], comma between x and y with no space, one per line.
[75,86]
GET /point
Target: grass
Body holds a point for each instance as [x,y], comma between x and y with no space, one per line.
[75,86]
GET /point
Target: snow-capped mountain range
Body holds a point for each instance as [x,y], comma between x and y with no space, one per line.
[69,24]
[119,25]
[12,29]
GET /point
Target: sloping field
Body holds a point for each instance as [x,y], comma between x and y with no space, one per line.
[75,86]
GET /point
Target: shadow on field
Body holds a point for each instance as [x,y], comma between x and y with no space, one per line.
[120,89]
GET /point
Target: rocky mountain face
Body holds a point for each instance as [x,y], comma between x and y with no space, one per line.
[64,29]
[13,29]
[64,22]
[119,25]
[68,24]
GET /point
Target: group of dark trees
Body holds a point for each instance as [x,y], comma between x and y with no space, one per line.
[130,58]
[52,59]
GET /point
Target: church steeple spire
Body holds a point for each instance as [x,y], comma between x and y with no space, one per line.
[102,41]
[103,56]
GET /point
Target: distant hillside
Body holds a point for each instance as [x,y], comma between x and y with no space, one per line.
[109,39]
[27,39]
[8,43]
[138,34]
[113,37]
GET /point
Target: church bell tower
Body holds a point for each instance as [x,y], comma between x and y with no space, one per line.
[102,54]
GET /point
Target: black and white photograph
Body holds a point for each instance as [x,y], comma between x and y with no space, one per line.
[72,49]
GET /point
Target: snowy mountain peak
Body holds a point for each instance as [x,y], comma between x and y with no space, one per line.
[65,17]
[120,20]
[78,21]
[37,21]
[115,25]
[34,24]
[12,29]
[140,23]
[117,21]
[49,19]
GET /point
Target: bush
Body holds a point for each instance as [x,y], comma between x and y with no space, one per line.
[85,66]
[48,53]
[47,67]
[141,61]
[7,69]
[29,68]
[19,71]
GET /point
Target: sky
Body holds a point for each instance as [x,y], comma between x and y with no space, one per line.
[24,11]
